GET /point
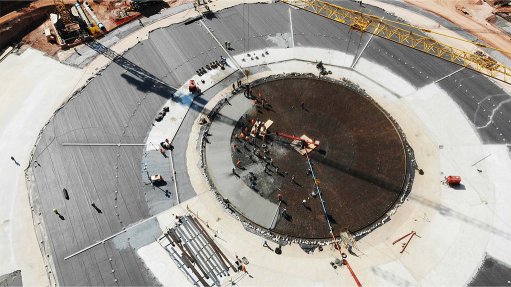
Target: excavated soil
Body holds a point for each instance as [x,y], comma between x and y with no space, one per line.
[361,162]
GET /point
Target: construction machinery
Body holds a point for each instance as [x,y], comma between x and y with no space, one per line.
[67,29]
[302,144]
[411,37]
[453,180]
[203,7]
[122,12]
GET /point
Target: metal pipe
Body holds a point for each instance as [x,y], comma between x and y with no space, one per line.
[82,15]
[89,10]
[406,244]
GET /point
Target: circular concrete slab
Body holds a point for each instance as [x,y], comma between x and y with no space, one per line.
[361,163]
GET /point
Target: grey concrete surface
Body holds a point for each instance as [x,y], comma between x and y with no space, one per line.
[486,105]
[157,197]
[219,166]
[252,26]
[492,273]
[180,141]
[119,107]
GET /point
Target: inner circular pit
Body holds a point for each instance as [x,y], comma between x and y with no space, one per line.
[360,164]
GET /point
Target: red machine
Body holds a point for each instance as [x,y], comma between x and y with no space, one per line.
[295,138]
[453,180]
[192,87]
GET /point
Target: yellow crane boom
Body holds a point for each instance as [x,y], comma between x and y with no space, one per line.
[378,26]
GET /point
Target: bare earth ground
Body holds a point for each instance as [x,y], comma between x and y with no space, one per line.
[471,15]
[39,10]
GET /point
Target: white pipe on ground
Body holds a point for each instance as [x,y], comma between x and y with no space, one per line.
[89,10]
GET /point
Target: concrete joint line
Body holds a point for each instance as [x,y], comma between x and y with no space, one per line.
[363,49]
[174,177]
[445,77]
[291,25]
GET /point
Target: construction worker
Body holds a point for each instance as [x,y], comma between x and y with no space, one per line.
[162,151]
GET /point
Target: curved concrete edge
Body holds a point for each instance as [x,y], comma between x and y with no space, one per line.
[44,83]
[237,192]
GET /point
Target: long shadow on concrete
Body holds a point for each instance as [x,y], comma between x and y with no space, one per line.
[444,210]
[157,86]
[148,82]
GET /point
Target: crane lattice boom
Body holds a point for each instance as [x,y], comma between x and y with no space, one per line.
[376,25]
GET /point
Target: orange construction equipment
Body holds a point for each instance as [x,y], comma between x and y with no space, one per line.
[284,135]
[453,180]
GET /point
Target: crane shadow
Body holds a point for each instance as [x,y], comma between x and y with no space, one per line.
[146,82]
[447,211]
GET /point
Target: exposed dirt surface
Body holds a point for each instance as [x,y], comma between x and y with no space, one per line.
[360,162]
[26,23]
[471,15]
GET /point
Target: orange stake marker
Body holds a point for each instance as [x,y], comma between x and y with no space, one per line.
[411,234]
